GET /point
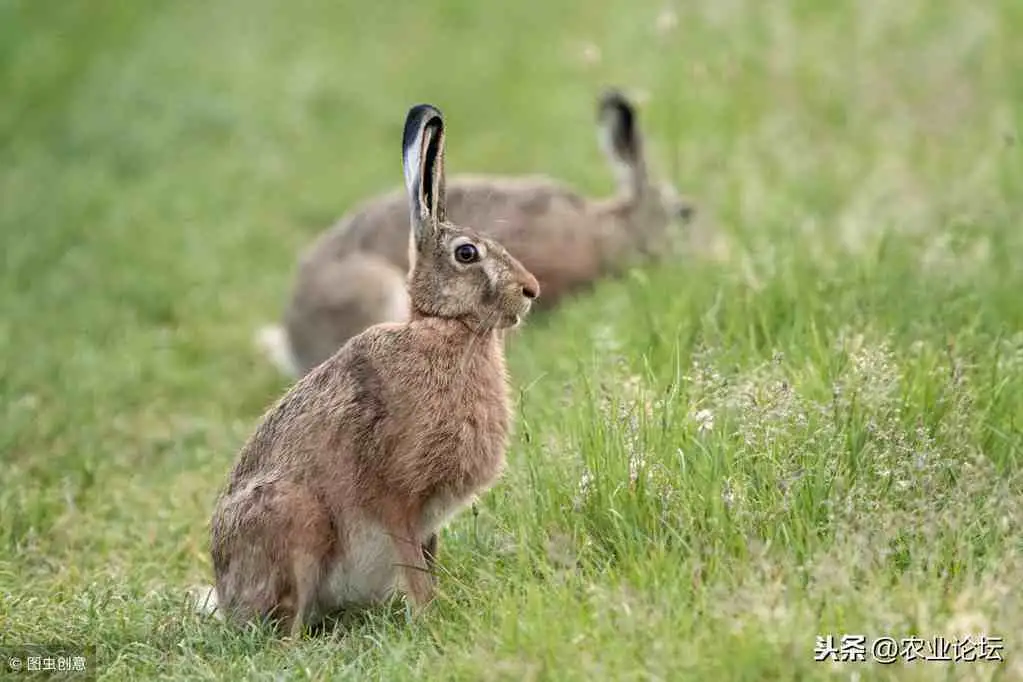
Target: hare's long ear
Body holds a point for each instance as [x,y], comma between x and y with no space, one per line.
[423,160]
[621,142]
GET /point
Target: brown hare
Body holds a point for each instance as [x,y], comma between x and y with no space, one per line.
[338,496]
[352,276]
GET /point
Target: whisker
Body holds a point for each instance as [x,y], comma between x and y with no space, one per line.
[474,340]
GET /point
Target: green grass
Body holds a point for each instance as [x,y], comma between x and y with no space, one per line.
[810,425]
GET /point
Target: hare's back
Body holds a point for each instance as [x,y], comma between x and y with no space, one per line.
[379,226]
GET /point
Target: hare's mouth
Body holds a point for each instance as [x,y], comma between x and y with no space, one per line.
[514,314]
[510,320]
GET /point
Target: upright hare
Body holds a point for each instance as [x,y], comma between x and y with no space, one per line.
[353,275]
[339,494]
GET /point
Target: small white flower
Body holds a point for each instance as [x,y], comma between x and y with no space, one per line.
[704,421]
[584,490]
[728,494]
[590,54]
[667,20]
[636,464]
[640,96]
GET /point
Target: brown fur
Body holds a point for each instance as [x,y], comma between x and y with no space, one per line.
[349,477]
[345,280]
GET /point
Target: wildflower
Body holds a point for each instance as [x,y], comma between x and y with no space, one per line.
[704,421]
[667,21]
[590,54]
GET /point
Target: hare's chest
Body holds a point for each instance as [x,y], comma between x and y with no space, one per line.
[465,422]
[467,464]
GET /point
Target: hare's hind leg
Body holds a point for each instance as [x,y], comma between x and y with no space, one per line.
[307,573]
[271,542]
[335,300]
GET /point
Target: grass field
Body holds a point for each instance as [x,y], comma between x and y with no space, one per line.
[811,425]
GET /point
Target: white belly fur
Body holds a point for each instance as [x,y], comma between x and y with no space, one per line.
[369,570]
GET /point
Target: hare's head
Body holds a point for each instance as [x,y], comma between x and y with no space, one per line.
[455,272]
[651,209]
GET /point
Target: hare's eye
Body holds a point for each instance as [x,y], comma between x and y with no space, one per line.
[467,253]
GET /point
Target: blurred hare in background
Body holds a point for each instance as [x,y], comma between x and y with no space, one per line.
[354,275]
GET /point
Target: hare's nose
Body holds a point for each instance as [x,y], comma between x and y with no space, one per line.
[530,287]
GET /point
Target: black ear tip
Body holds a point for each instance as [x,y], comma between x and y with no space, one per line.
[418,117]
[613,101]
[421,112]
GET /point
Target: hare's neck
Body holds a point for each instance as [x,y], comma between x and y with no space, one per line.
[479,354]
[614,219]
[458,334]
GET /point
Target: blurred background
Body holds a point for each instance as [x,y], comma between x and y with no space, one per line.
[163,163]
